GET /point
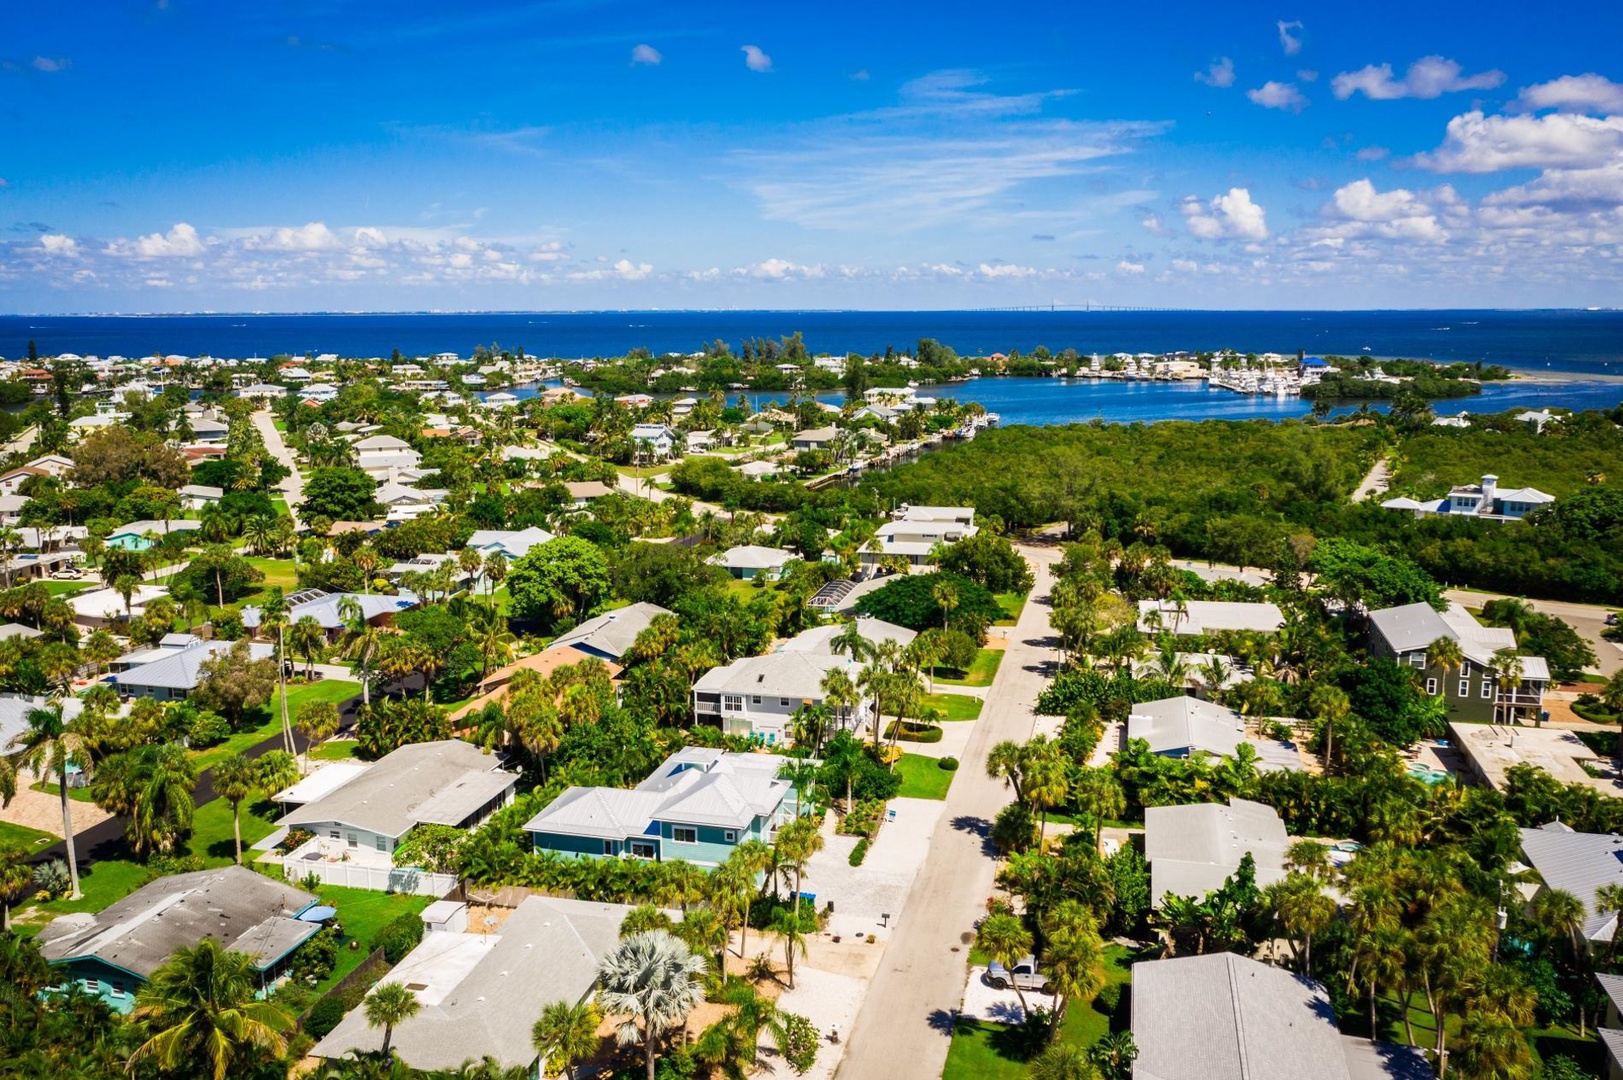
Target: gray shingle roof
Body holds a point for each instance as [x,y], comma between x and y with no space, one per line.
[1613,1039]
[481,993]
[1578,863]
[1186,723]
[819,639]
[613,632]
[1224,1017]
[242,910]
[389,797]
[1192,849]
[796,675]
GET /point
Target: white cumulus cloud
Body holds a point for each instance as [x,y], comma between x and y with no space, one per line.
[50,64]
[1278,95]
[1230,216]
[1428,77]
[1220,74]
[1477,144]
[65,246]
[1573,93]
[1288,41]
[180,241]
[645,54]
[1125,267]
[755,59]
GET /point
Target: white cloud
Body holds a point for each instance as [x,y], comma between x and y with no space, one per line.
[312,237]
[1477,144]
[1573,93]
[755,59]
[1288,41]
[1308,75]
[1278,95]
[645,54]
[51,64]
[1153,225]
[1372,153]
[1005,270]
[1220,74]
[179,242]
[1428,77]
[1568,190]
[624,270]
[1230,216]
[1125,267]
[65,246]
[1185,266]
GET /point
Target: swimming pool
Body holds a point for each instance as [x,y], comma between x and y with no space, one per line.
[1425,773]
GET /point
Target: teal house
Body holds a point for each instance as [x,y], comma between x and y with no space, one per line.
[139,535]
[697,806]
[112,954]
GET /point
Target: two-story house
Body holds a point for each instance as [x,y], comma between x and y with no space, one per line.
[698,806]
[757,696]
[655,440]
[1473,690]
[915,531]
[1487,501]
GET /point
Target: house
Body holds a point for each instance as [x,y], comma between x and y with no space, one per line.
[112,953]
[326,609]
[1492,750]
[404,503]
[748,561]
[1196,617]
[481,992]
[360,823]
[757,470]
[383,455]
[1193,849]
[208,432]
[104,607]
[633,401]
[510,544]
[1199,670]
[1581,864]
[14,708]
[915,532]
[655,439]
[52,464]
[501,399]
[174,674]
[11,509]
[1181,727]
[262,392]
[138,535]
[1485,501]
[11,482]
[197,496]
[698,806]
[1537,417]
[698,442]
[583,493]
[610,636]
[1473,691]
[820,639]
[756,696]
[320,393]
[814,438]
[494,686]
[1222,1016]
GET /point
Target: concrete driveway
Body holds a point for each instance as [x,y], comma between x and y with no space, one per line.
[982,1002]
[863,895]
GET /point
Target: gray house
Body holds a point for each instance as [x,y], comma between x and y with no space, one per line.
[172,674]
[1581,864]
[610,635]
[1472,691]
[1184,726]
[112,953]
[1193,849]
[1225,1017]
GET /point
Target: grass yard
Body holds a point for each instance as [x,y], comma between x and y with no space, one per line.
[336,750]
[980,673]
[24,837]
[363,913]
[211,838]
[1011,603]
[953,706]
[922,778]
[75,794]
[277,572]
[270,722]
[996,1051]
[67,588]
[102,883]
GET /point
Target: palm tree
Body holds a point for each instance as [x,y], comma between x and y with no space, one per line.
[234,780]
[565,1035]
[15,874]
[1445,653]
[947,598]
[318,721]
[52,743]
[1329,704]
[386,1006]
[1062,1061]
[151,787]
[201,1005]
[1075,958]
[277,770]
[1006,762]
[1491,1048]
[360,640]
[1610,898]
[840,695]
[1098,794]
[744,864]
[1303,910]
[1004,937]
[786,924]
[367,562]
[654,980]
[307,637]
[1047,778]
[1509,666]
[273,617]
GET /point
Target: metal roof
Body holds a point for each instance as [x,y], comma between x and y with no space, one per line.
[752,557]
[694,786]
[795,675]
[181,669]
[1192,849]
[819,639]
[1578,863]
[387,798]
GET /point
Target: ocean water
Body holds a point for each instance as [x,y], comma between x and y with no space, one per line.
[1571,344]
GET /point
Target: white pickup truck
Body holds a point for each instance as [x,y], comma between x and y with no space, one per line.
[1024,976]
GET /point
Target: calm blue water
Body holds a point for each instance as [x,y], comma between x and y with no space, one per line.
[1569,342]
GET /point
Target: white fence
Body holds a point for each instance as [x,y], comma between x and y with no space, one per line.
[377,878]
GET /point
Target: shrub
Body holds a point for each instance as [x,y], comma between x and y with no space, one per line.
[399,937]
[164,865]
[863,818]
[315,959]
[1109,999]
[1015,830]
[209,729]
[52,878]
[859,852]
[292,840]
[948,764]
[913,731]
[324,1016]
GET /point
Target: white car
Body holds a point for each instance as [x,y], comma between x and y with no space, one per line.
[67,573]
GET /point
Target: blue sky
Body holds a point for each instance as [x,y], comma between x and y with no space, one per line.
[173,155]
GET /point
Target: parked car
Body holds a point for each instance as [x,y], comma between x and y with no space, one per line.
[1025,976]
[67,573]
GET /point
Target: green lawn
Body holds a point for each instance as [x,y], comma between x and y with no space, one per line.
[277,572]
[103,883]
[270,717]
[211,838]
[954,706]
[922,778]
[75,794]
[336,750]
[996,1051]
[24,836]
[363,913]
[1011,603]
[67,588]
[980,673]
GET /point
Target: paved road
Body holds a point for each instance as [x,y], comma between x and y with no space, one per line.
[1375,482]
[906,1026]
[293,486]
[1588,619]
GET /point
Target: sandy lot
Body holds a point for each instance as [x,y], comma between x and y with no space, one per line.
[42,811]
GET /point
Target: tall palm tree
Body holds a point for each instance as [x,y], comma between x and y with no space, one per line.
[1491,1047]
[360,641]
[307,637]
[367,561]
[1004,937]
[50,744]
[654,980]
[565,1035]
[1445,653]
[1075,957]
[273,619]
[1509,668]
[1047,778]
[387,1006]
[234,780]
[201,1006]
[786,924]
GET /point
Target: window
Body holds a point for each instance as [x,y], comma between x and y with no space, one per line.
[1431,687]
[383,844]
[1418,659]
[684,834]
[332,834]
[1487,689]
[608,847]
[756,700]
[353,842]
[784,702]
[729,835]
[732,703]
[93,986]
[1465,669]
[642,849]
[1465,688]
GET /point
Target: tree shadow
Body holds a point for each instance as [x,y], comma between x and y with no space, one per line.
[980,827]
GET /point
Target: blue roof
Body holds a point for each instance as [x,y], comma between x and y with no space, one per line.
[1315,361]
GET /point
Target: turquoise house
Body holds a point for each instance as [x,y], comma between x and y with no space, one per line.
[697,806]
[112,954]
[138,535]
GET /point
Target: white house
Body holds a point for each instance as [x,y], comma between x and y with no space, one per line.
[1486,501]
[385,455]
[197,496]
[748,561]
[757,695]
[655,439]
[916,531]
